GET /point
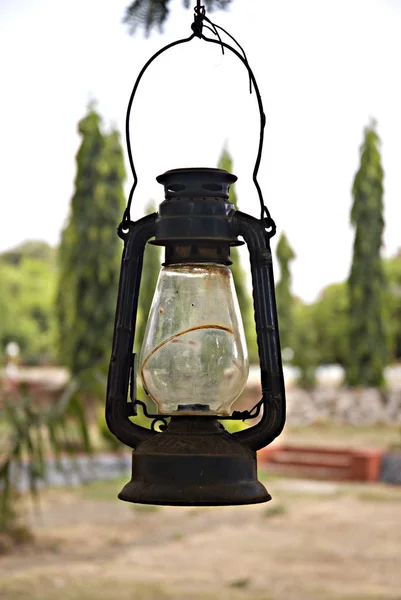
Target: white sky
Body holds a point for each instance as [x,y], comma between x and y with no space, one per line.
[323,67]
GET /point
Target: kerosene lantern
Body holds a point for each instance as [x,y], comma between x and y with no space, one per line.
[193,362]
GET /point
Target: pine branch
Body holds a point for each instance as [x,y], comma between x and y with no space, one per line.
[152,14]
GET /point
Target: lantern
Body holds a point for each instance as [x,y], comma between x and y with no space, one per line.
[193,362]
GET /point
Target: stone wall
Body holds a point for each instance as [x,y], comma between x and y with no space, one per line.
[342,405]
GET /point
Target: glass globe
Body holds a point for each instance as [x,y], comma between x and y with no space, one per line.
[194,356]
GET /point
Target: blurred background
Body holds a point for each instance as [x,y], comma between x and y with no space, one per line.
[328,75]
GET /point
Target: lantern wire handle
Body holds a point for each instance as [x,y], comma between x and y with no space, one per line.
[122,228]
[197,29]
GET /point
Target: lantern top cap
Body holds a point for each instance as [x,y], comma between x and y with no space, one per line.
[197,172]
[198,181]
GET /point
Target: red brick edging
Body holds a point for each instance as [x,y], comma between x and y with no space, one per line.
[322,463]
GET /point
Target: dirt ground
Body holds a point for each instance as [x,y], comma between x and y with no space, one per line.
[313,541]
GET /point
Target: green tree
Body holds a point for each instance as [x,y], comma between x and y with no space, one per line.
[28,287]
[367,282]
[392,269]
[285,255]
[150,14]
[240,276]
[90,251]
[306,355]
[331,322]
[36,249]
[150,272]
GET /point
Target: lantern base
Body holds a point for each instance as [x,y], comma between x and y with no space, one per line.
[195,462]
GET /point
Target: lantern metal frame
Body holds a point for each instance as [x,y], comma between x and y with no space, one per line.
[122,372]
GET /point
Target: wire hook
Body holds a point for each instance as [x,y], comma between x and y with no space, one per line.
[199,16]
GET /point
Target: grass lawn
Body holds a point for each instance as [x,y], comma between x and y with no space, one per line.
[343,436]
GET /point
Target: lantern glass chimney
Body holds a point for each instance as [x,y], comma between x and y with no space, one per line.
[194,356]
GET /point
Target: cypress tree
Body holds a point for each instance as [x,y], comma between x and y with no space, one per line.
[90,250]
[240,276]
[366,282]
[285,255]
[392,269]
[306,351]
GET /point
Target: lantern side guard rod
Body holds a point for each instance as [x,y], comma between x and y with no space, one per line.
[197,32]
[118,409]
[271,369]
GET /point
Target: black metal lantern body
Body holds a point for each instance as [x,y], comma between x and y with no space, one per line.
[194,461]
[193,359]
